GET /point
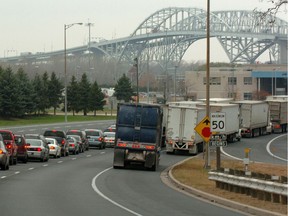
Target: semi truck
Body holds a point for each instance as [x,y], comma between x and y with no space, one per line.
[254,117]
[180,133]
[278,114]
[138,135]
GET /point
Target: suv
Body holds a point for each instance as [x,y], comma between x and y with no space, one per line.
[22,154]
[9,141]
[82,134]
[61,137]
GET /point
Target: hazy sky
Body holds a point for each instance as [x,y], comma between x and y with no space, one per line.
[38,25]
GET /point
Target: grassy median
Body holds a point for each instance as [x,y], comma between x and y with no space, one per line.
[193,174]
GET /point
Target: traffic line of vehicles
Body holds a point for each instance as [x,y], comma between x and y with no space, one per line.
[142,129]
[53,143]
[246,118]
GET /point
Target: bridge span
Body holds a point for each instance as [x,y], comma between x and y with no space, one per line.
[164,37]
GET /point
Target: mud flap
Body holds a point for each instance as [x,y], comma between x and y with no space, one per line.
[150,159]
[119,156]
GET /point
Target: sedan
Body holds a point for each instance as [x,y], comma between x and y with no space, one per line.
[37,149]
[95,138]
[54,147]
[73,145]
[109,138]
[4,156]
[80,143]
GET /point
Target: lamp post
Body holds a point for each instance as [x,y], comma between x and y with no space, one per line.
[137,79]
[65,66]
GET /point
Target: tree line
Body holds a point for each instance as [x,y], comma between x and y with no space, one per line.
[21,96]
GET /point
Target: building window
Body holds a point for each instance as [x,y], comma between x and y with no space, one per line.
[231,95]
[247,80]
[232,81]
[213,80]
[247,96]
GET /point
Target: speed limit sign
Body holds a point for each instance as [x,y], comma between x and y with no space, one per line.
[217,123]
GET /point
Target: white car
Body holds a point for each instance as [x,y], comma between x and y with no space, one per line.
[55,148]
[109,138]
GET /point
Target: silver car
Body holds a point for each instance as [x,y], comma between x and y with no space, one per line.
[54,147]
[37,149]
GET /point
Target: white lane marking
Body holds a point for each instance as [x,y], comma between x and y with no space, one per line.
[94,186]
[2,177]
[102,152]
[73,158]
[31,168]
[45,165]
[88,155]
[31,129]
[17,172]
[228,155]
[269,151]
[60,162]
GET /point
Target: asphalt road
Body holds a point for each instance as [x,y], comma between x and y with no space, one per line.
[86,184]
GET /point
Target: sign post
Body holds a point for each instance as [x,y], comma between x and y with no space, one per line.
[218,125]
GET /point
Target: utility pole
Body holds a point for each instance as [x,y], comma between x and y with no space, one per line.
[89,27]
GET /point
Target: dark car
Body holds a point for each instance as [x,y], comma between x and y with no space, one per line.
[22,154]
[95,138]
[4,155]
[61,137]
[82,134]
[10,144]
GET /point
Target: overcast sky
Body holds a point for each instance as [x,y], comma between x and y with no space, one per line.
[38,25]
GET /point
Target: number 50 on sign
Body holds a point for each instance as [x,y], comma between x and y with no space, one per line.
[217,123]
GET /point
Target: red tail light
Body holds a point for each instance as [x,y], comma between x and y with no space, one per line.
[52,147]
[63,142]
[72,145]
[122,144]
[277,126]
[39,149]
[9,146]
[150,147]
[100,139]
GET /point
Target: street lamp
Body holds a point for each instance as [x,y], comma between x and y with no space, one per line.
[137,79]
[65,66]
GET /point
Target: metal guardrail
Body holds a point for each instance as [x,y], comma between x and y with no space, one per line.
[262,189]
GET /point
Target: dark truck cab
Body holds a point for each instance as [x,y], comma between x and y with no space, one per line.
[138,135]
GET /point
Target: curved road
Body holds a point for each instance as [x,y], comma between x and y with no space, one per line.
[86,184]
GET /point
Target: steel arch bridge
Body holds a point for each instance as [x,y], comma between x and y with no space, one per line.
[165,36]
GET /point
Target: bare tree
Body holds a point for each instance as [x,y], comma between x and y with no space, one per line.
[272,11]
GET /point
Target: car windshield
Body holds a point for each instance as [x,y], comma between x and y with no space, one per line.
[54,133]
[6,136]
[51,141]
[78,138]
[34,142]
[92,133]
[109,134]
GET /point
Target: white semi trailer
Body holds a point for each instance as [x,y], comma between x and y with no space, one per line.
[180,133]
[254,117]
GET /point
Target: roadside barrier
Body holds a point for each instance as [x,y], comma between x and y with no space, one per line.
[264,187]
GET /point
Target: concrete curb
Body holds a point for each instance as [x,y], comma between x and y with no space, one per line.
[168,179]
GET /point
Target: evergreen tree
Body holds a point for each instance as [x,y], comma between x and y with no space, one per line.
[54,92]
[96,98]
[8,93]
[84,89]
[123,89]
[37,88]
[73,96]
[25,103]
[44,102]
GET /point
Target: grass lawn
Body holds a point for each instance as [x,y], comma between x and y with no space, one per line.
[50,118]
